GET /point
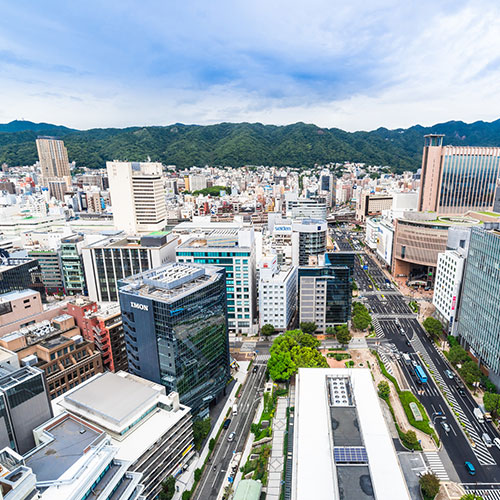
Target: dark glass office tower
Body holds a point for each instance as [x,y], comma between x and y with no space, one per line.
[175,323]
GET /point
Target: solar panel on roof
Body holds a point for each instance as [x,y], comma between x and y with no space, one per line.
[350,455]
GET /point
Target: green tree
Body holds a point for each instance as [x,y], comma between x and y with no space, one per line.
[452,340]
[343,335]
[308,327]
[201,429]
[429,484]
[433,327]
[307,340]
[267,330]
[167,488]
[410,440]
[470,372]
[197,475]
[491,403]
[281,366]
[471,496]
[211,444]
[361,321]
[354,286]
[330,330]
[384,390]
[457,355]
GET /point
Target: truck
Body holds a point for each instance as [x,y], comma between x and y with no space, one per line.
[407,358]
[479,415]
[486,415]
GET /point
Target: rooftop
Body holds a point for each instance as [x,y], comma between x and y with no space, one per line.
[7,297]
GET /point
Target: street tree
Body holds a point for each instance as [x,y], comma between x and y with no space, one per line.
[471,496]
[433,327]
[492,403]
[429,484]
[281,366]
[457,355]
[384,390]
[167,488]
[308,327]
[343,335]
[330,330]
[267,330]
[470,372]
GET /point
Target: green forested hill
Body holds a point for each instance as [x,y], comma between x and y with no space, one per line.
[237,144]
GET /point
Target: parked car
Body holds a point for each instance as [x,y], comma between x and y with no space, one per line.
[470,468]
[231,436]
[449,374]
[487,440]
[445,426]
[226,424]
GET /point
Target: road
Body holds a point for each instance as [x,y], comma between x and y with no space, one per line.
[398,332]
[215,472]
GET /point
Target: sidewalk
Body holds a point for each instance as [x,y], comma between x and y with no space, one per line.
[276,461]
[185,481]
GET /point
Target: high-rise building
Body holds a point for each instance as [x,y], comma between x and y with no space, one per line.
[53,158]
[110,259]
[24,404]
[137,196]
[50,264]
[20,274]
[479,315]
[175,323]
[325,292]
[72,265]
[304,208]
[233,249]
[370,204]
[457,179]
[308,240]
[277,293]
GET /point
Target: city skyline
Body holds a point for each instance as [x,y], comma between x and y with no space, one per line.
[352,67]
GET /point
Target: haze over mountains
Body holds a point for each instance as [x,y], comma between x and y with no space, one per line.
[237,144]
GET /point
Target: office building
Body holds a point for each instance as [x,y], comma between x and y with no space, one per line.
[342,447]
[277,293]
[54,162]
[137,196]
[309,237]
[372,204]
[102,324]
[457,179]
[59,350]
[108,260]
[58,188]
[17,481]
[20,274]
[175,323]
[196,183]
[24,404]
[304,208]
[18,306]
[50,265]
[325,294]
[151,431]
[72,265]
[234,250]
[479,317]
[74,460]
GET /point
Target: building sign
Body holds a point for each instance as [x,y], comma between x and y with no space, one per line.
[453,302]
[141,307]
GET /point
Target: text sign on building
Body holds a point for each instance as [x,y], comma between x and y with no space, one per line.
[141,307]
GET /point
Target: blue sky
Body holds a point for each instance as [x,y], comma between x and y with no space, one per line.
[337,64]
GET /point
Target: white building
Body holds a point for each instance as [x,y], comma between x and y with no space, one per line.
[277,293]
[450,268]
[137,196]
[150,431]
[342,446]
[385,239]
[197,182]
[304,208]
[371,231]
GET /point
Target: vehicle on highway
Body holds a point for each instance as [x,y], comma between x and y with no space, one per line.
[479,415]
[496,442]
[470,468]
[406,358]
[254,369]
[226,423]
[235,410]
[461,391]
[408,343]
[231,436]
[449,374]
[487,440]
[445,426]
[402,332]
[414,363]
[421,375]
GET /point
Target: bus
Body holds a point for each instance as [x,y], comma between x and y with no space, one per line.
[421,376]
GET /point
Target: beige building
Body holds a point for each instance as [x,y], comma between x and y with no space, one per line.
[370,205]
[137,196]
[457,179]
[54,161]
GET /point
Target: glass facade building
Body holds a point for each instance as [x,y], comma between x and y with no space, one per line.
[479,317]
[20,274]
[175,324]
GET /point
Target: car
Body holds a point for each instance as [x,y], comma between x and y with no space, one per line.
[408,343]
[445,426]
[461,391]
[255,369]
[226,423]
[402,332]
[449,374]
[470,468]
[414,363]
[487,440]
[231,436]
[496,442]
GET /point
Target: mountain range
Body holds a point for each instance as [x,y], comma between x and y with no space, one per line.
[238,144]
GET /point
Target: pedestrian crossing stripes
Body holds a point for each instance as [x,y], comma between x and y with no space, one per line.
[384,359]
[486,494]
[378,329]
[436,465]
[262,358]
[483,455]
[248,346]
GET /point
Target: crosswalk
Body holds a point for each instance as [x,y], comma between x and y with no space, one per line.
[378,329]
[483,455]
[248,346]
[436,465]
[262,358]
[383,356]
[493,494]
